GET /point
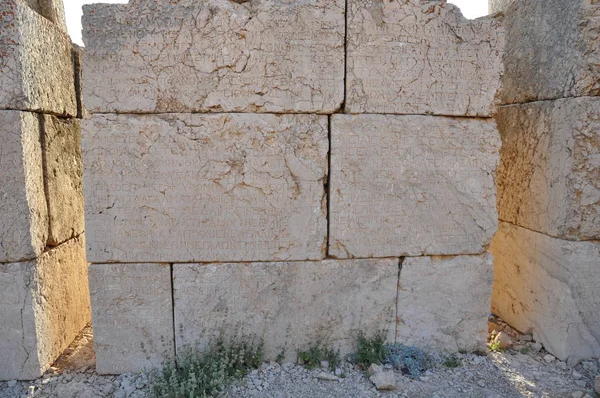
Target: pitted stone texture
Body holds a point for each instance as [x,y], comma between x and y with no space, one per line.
[421,57]
[550,287]
[499,5]
[44,304]
[289,305]
[132,313]
[444,302]
[63,173]
[228,187]
[23,209]
[552,50]
[36,66]
[411,185]
[215,55]
[549,177]
[50,9]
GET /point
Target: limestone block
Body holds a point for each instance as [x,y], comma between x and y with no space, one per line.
[23,209]
[548,179]
[50,9]
[551,50]
[411,185]
[289,305]
[132,312]
[36,66]
[227,187]
[417,57]
[444,302]
[63,172]
[214,55]
[499,5]
[550,287]
[44,304]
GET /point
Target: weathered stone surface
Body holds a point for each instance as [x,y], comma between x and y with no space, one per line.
[549,287]
[499,5]
[132,313]
[411,185]
[50,9]
[444,302]
[228,187]
[214,55]
[23,209]
[36,66]
[63,173]
[44,304]
[551,50]
[289,305]
[421,57]
[549,177]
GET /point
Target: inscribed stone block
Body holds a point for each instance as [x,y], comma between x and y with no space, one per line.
[411,185]
[421,57]
[289,305]
[132,313]
[227,187]
[214,56]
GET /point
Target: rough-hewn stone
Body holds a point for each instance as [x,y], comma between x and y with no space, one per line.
[132,313]
[52,10]
[549,177]
[228,187]
[411,185]
[499,5]
[551,50]
[23,209]
[44,304]
[36,66]
[290,305]
[63,173]
[444,302]
[549,287]
[214,55]
[421,57]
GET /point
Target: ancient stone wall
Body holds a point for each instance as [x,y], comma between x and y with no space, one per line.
[44,296]
[303,170]
[547,249]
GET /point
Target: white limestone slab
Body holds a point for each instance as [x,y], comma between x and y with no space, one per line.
[183,188]
[421,57]
[411,185]
[215,55]
[289,305]
[132,316]
[444,302]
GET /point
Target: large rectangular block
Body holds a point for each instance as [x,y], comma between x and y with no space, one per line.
[44,304]
[289,305]
[23,209]
[36,66]
[550,287]
[63,173]
[215,55]
[132,316]
[421,57]
[411,185]
[549,180]
[228,187]
[551,50]
[444,302]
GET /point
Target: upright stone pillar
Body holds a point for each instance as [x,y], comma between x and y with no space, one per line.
[547,251]
[44,297]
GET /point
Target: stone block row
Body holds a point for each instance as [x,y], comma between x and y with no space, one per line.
[36,63]
[141,312]
[250,187]
[40,184]
[290,56]
[44,304]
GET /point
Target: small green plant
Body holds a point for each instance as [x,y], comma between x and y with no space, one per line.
[452,361]
[525,350]
[312,357]
[371,350]
[494,346]
[204,374]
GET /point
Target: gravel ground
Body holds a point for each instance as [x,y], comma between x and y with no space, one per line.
[525,370]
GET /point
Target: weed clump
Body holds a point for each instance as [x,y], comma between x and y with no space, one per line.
[205,374]
[411,361]
[312,357]
[371,350]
